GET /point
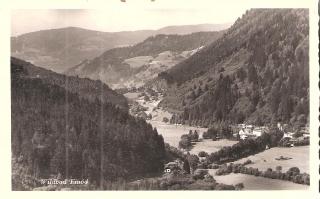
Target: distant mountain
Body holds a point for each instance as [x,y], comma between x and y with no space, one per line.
[60,49]
[257,72]
[188,29]
[84,87]
[60,133]
[135,65]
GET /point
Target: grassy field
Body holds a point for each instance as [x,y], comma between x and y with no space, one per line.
[266,159]
[210,146]
[172,133]
[259,183]
[137,62]
[132,95]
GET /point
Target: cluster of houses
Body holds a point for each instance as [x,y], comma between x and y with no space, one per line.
[251,131]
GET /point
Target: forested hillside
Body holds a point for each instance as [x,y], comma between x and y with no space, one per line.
[60,134]
[256,72]
[121,67]
[89,89]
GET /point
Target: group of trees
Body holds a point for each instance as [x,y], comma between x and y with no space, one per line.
[187,139]
[245,148]
[59,133]
[218,130]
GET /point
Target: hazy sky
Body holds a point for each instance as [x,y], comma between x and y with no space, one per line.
[115,15]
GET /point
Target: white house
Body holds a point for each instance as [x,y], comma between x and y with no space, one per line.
[257,132]
[249,131]
[245,133]
[288,135]
[280,126]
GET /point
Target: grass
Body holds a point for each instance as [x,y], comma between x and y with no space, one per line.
[266,159]
[259,183]
[172,133]
[137,62]
[132,95]
[210,146]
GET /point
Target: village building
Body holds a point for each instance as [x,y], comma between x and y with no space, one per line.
[175,166]
[249,131]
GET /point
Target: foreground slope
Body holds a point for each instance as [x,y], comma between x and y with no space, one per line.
[59,134]
[256,72]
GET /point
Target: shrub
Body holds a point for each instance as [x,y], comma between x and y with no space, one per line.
[203,154]
[185,142]
[213,166]
[221,186]
[199,174]
[248,161]
[278,168]
[209,178]
[239,186]
[294,171]
[165,119]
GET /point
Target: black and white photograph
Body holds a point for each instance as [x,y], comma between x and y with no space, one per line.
[213,96]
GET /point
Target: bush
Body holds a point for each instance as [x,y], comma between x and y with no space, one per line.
[278,168]
[239,186]
[203,154]
[221,186]
[248,161]
[199,174]
[165,119]
[194,136]
[303,142]
[209,178]
[224,169]
[213,166]
[202,165]
[293,171]
[185,142]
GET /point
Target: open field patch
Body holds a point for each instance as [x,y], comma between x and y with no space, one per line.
[296,157]
[259,183]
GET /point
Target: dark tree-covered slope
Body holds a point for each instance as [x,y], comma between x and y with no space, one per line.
[89,89]
[60,134]
[258,71]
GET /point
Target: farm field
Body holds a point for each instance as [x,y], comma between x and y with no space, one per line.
[259,183]
[132,95]
[172,133]
[266,159]
[210,146]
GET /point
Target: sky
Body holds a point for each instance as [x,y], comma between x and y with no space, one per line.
[121,16]
[114,15]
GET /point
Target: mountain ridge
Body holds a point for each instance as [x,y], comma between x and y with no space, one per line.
[129,65]
[61,48]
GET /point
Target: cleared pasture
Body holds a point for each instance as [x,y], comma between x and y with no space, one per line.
[267,159]
[259,183]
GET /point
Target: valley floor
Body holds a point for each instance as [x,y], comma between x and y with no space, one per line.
[299,156]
